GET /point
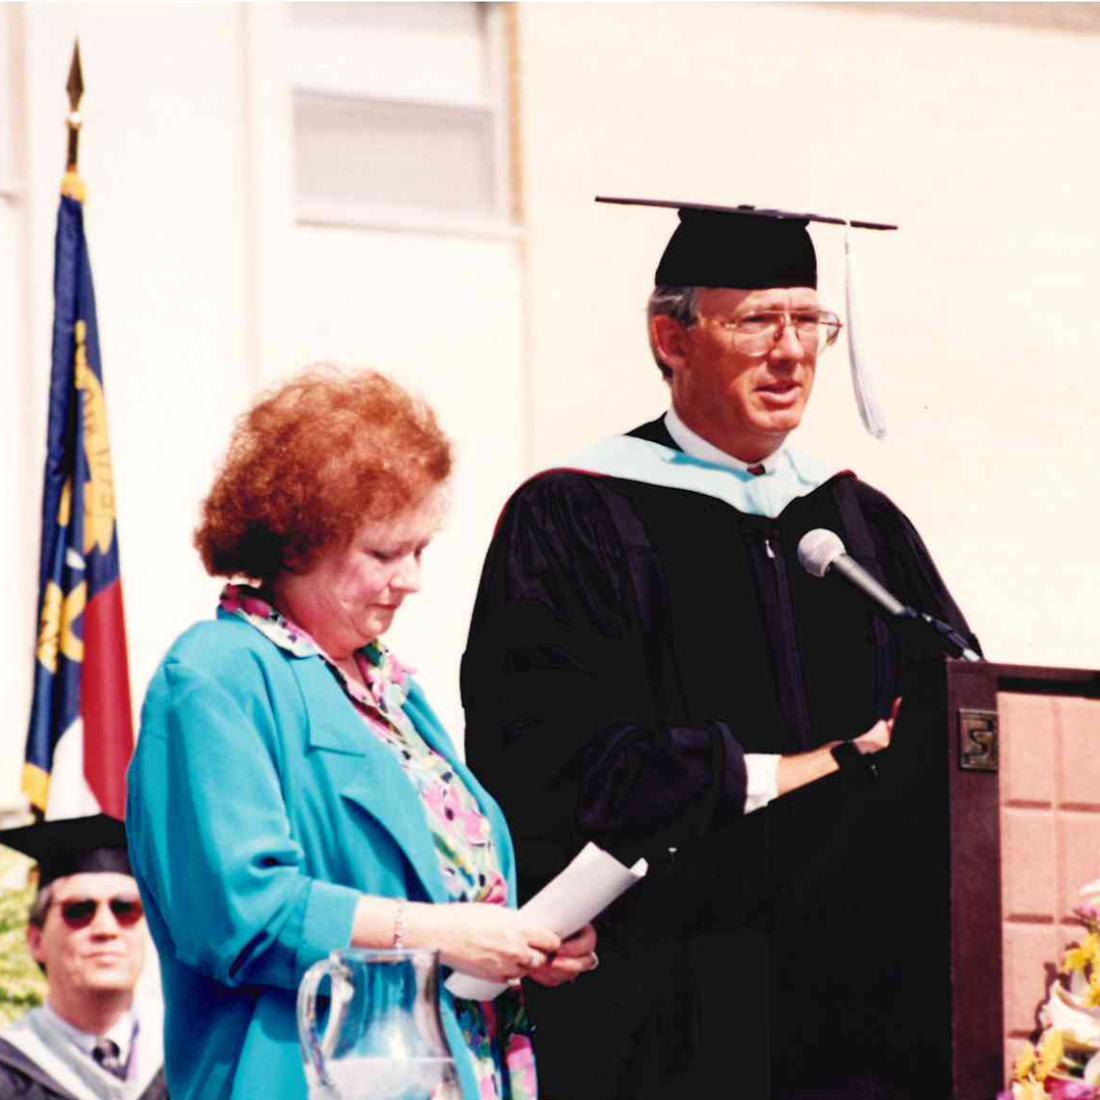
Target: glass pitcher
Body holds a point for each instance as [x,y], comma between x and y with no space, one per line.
[381,1036]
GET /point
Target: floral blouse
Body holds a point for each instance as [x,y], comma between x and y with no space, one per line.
[497,1032]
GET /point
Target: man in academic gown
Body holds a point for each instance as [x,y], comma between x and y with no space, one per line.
[87,931]
[650,667]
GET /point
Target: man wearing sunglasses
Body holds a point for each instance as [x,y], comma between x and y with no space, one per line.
[650,668]
[87,931]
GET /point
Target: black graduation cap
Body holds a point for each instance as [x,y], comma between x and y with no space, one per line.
[752,248]
[72,846]
[747,247]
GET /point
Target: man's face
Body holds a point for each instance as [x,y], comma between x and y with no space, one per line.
[745,404]
[103,956]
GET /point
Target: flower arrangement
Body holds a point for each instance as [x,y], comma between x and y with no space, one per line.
[1065,1062]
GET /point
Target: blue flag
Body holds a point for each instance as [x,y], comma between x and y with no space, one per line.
[81,729]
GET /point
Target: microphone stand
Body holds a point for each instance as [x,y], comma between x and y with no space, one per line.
[948,638]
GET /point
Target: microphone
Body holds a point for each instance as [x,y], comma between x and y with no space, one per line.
[821,551]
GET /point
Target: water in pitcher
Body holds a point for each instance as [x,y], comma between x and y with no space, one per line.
[379,1078]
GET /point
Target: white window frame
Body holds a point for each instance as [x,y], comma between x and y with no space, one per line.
[501,224]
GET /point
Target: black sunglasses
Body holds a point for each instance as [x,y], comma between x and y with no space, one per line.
[79,914]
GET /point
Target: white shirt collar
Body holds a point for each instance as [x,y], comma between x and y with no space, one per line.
[122,1032]
[691,443]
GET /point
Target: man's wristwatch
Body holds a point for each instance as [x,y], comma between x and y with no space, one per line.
[850,760]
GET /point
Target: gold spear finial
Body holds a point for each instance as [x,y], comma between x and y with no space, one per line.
[72,185]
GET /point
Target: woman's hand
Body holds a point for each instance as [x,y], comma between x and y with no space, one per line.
[485,940]
[576,955]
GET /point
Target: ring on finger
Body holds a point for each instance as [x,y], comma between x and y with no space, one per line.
[595,961]
[534,960]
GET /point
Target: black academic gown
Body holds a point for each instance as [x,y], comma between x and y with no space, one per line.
[629,643]
[23,1079]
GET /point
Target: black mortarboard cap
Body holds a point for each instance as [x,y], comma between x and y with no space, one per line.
[72,846]
[752,248]
[746,247]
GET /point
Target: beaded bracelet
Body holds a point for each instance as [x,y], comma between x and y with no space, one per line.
[399,925]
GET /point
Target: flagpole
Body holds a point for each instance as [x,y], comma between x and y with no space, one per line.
[80,735]
[72,186]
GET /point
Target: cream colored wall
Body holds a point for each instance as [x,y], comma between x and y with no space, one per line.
[207,292]
[164,96]
[16,551]
[984,337]
[443,315]
[984,327]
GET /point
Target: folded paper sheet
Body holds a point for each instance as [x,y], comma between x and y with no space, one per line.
[591,882]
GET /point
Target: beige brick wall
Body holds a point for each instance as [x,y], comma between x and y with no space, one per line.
[1050,821]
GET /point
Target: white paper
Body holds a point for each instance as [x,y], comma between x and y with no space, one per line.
[587,886]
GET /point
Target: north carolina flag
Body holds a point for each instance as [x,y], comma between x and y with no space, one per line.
[81,731]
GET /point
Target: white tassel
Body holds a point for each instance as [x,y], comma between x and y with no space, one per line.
[870,411]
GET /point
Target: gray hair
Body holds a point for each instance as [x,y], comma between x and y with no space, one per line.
[677,302]
[40,906]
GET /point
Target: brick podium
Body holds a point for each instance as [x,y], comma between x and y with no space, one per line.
[1022,781]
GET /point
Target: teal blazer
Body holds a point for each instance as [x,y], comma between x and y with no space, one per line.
[260,809]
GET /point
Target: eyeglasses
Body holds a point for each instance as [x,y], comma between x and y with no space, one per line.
[80,913]
[758,333]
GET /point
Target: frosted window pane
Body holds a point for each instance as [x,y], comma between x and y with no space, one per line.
[433,52]
[400,156]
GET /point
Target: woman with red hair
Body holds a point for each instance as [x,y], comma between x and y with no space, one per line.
[292,792]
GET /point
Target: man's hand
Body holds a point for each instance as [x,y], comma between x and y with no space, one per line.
[576,955]
[878,736]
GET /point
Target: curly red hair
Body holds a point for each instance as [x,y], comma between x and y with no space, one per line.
[312,461]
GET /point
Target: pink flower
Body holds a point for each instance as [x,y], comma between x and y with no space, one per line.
[386,676]
[445,802]
[1061,1089]
[521,1066]
[475,825]
[497,893]
[439,798]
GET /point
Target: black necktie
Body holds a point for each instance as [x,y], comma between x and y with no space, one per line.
[106,1052]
